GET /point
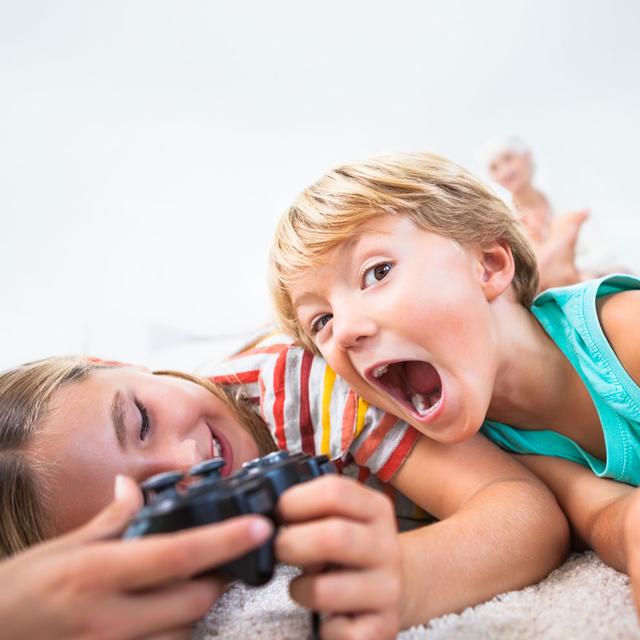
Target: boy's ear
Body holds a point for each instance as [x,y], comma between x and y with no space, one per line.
[496,268]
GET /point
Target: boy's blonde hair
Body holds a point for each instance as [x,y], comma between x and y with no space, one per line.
[25,394]
[435,193]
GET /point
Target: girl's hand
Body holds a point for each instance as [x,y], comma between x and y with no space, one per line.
[85,585]
[349,530]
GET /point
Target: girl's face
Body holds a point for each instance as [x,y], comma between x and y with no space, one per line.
[129,421]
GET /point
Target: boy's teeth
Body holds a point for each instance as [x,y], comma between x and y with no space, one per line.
[420,403]
[379,371]
[217,449]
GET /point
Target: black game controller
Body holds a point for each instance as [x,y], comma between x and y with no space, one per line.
[255,488]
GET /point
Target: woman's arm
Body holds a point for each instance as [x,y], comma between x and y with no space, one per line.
[500,528]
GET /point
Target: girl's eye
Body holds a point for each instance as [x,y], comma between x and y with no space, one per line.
[375,274]
[144,420]
[320,323]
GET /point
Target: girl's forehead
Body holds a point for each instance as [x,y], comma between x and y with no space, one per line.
[77,397]
[90,396]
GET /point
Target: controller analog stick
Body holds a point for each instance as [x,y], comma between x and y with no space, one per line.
[161,484]
[209,469]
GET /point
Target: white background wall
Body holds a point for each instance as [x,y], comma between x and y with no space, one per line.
[148,147]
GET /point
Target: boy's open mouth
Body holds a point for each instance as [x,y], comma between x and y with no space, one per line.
[414,384]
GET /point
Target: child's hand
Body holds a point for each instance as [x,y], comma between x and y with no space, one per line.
[89,584]
[336,521]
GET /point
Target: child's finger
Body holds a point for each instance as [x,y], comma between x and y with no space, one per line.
[361,627]
[343,591]
[337,496]
[182,633]
[330,540]
[113,519]
[149,561]
[173,607]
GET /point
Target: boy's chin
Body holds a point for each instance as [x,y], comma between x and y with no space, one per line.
[448,433]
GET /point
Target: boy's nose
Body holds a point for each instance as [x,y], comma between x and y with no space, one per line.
[353,331]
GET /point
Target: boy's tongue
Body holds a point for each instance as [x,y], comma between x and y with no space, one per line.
[421,376]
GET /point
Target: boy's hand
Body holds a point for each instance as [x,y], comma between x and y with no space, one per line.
[349,530]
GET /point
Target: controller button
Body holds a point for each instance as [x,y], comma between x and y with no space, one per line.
[275,456]
[271,458]
[208,468]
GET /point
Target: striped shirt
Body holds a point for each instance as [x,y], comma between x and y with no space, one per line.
[308,408]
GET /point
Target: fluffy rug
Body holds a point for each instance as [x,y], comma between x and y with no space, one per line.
[582,599]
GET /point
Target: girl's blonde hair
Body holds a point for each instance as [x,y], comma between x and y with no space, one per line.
[25,392]
[435,193]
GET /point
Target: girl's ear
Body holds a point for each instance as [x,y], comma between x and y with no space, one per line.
[496,268]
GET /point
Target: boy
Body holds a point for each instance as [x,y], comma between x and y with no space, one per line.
[414,283]
[499,528]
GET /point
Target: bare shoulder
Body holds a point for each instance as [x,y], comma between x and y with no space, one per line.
[620,320]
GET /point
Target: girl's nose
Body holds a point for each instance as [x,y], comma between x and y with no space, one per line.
[187,454]
[178,411]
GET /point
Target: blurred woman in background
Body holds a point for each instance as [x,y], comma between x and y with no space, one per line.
[567,253]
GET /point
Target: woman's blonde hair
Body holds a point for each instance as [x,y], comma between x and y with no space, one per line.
[435,193]
[25,392]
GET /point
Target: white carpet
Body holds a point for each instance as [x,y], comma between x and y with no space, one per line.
[582,599]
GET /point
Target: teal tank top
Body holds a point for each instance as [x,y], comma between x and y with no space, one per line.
[568,315]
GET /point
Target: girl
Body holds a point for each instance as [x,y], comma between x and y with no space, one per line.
[67,426]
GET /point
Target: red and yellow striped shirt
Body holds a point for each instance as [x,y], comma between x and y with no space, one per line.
[308,408]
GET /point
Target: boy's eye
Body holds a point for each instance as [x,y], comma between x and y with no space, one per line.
[320,322]
[375,274]
[144,420]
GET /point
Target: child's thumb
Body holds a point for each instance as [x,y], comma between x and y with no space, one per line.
[126,492]
[113,519]
[127,500]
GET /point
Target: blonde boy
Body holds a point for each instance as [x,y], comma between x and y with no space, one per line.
[416,284]
[428,349]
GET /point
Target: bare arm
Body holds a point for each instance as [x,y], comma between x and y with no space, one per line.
[596,507]
[500,527]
